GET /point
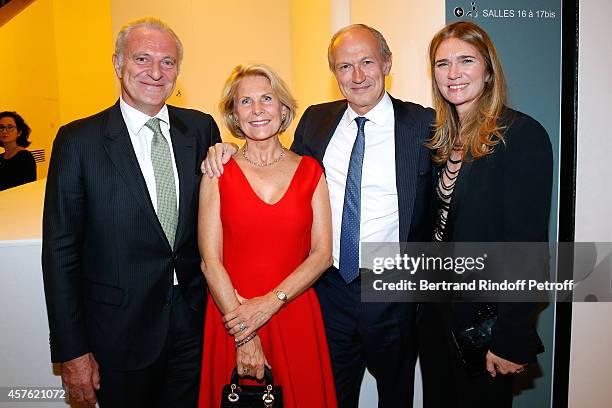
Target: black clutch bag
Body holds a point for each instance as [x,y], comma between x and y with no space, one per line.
[235,395]
[472,342]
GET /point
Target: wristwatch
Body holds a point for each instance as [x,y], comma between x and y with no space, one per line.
[280,295]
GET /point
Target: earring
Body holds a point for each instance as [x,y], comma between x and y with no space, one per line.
[283,117]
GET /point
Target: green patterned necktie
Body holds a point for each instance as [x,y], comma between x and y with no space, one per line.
[164,181]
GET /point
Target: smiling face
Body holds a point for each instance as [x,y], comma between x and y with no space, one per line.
[360,69]
[257,108]
[8,130]
[460,73]
[149,70]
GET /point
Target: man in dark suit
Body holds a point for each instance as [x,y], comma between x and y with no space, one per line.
[123,286]
[380,181]
[390,200]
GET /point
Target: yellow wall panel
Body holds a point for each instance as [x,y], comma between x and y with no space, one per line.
[60,50]
[217,35]
[311,25]
[84,46]
[29,73]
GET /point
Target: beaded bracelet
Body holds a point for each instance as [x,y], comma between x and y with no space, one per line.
[246,340]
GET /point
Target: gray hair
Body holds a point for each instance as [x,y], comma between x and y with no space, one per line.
[145,22]
[383,47]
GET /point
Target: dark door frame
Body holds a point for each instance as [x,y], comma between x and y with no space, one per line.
[567,195]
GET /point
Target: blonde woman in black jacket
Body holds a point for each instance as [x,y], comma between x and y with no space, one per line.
[494,185]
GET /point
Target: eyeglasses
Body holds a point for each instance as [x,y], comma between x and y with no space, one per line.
[7,128]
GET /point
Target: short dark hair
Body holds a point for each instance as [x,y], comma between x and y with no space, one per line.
[22,127]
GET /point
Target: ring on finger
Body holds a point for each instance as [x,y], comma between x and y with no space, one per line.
[242,327]
[245,370]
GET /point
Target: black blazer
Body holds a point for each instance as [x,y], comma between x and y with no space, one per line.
[107,265]
[413,167]
[505,197]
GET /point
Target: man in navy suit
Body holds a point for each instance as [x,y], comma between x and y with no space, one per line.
[121,271]
[393,202]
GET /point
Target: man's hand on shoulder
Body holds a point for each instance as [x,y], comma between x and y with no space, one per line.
[218,155]
[80,376]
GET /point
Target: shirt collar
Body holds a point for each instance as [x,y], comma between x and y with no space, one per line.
[135,119]
[379,114]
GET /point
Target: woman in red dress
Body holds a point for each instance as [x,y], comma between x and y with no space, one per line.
[265,237]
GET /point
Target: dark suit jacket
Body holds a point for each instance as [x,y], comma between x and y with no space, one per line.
[412,160]
[505,197]
[107,265]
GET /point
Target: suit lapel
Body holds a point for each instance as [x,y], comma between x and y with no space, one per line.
[407,150]
[324,130]
[183,147]
[119,148]
[408,147]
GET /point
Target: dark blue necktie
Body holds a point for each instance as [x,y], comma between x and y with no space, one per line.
[351,212]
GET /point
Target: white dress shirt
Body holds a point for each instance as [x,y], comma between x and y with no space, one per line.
[379,205]
[142,137]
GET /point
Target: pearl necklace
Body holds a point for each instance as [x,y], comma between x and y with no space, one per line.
[263,164]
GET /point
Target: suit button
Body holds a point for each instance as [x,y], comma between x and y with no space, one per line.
[175,257]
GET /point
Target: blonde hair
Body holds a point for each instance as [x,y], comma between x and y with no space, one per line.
[145,22]
[280,88]
[479,131]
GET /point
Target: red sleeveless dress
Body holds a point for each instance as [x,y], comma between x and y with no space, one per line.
[262,244]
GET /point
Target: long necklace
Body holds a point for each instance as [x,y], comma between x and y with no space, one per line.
[263,164]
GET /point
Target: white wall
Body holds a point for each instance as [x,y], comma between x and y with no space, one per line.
[24,343]
[591,350]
